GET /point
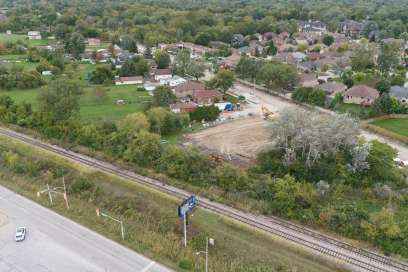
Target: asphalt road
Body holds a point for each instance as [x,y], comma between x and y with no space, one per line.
[54,243]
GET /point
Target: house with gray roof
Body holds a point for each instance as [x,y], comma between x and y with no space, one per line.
[400,93]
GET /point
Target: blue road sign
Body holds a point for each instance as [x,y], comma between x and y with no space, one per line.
[187,206]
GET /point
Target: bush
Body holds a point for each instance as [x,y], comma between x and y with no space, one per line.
[310,96]
[185,264]
[80,185]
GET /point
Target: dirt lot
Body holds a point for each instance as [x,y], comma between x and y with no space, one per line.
[238,140]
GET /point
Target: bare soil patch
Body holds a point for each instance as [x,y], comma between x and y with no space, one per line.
[238,140]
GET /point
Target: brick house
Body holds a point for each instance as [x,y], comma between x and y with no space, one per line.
[361,95]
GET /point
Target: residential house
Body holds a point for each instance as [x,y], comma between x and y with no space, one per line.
[361,95]
[183,107]
[173,81]
[187,88]
[312,26]
[161,74]
[93,42]
[298,57]
[207,96]
[331,88]
[197,50]
[400,93]
[268,36]
[34,35]
[308,80]
[87,57]
[312,56]
[308,66]
[351,28]
[134,80]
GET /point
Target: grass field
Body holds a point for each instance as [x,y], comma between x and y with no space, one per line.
[95,108]
[396,125]
[20,37]
[152,227]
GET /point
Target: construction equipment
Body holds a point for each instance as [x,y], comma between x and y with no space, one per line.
[266,113]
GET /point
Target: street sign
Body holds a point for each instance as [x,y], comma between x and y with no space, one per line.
[187,206]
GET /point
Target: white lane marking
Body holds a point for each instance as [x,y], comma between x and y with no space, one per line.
[148,267]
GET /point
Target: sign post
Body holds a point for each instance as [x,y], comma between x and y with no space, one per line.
[186,207]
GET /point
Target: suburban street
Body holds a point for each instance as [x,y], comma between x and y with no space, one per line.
[54,243]
[257,99]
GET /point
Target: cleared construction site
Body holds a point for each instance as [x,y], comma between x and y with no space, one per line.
[238,140]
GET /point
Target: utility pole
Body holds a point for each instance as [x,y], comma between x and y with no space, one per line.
[185,228]
[207,241]
[54,190]
[122,230]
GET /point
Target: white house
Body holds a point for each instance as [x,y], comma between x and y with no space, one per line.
[34,35]
[135,80]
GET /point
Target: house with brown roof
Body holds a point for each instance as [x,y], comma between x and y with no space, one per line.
[161,74]
[361,95]
[331,88]
[187,88]
[207,96]
[309,80]
[183,107]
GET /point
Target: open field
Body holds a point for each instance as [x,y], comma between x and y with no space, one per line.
[93,107]
[244,137]
[396,125]
[151,225]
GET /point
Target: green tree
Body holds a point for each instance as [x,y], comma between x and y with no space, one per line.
[388,58]
[381,161]
[281,76]
[310,95]
[163,96]
[223,80]
[102,74]
[60,99]
[207,113]
[196,69]
[182,61]
[328,40]
[144,149]
[203,38]
[162,59]
[271,49]
[133,123]
[362,57]
[75,44]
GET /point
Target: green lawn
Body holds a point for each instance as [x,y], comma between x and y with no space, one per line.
[396,125]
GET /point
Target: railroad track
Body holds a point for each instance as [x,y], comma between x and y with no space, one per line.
[357,258]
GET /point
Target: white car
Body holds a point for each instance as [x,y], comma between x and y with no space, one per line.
[20,234]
